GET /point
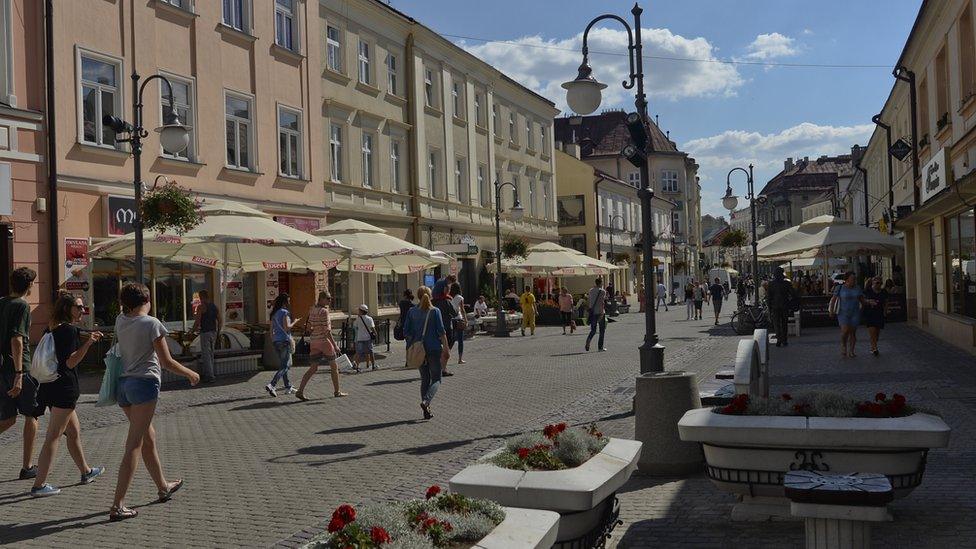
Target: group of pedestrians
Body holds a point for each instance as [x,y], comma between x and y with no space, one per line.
[853,306]
[143,351]
[697,294]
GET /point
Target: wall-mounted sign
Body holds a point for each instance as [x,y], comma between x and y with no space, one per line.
[935,175]
[900,149]
[121,215]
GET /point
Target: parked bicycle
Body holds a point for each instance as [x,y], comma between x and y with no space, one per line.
[750,317]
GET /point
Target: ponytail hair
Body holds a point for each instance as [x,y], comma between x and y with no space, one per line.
[423,294]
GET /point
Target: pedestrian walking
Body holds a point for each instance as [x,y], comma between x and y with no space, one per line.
[698,296]
[846,304]
[18,390]
[566,310]
[207,323]
[689,299]
[425,324]
[443,303]
[142,346]
[460,321]
[780,296]
[662,297]
[596,303]
[641,297]
[61,395]
[283,342]
[582,308]
[717,293]
[876,297]
[322,347]
[527,302]
[365,328]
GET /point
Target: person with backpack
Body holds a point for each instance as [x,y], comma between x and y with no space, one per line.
[425,324]
[322,347]
[18,389]
[284,344]
[61,395]
[144,351]
[365,328]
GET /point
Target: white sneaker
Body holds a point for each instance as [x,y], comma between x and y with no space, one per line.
[271,390]
[291,391]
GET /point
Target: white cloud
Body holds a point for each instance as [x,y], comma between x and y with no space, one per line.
[771,46]
[717,154]
[807,32]
[543,65]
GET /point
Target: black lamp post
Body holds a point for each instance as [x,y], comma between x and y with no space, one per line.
[583,95]
[501,328]
[612,257]
[173,136]
[729,201]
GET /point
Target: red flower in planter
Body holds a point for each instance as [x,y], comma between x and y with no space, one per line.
[379,535]
[433,491]
[552,431]
[786,397]
[880,397]
[345,512]
[336,524]
[523,453]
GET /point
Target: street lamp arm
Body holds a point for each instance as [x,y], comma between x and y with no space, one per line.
[585,66]
[728,178]
[142,87]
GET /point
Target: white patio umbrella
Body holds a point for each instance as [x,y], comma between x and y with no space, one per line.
[375,251]
[814,263]
[546,258]
[232,237]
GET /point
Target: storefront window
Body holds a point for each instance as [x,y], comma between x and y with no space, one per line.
[105,291]
[250,291]
[961,251]
[337,287]
[168,306]
[933,272]
[197,278]
[389,288]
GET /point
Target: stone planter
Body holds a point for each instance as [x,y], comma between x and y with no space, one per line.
[583,496]
[749,455]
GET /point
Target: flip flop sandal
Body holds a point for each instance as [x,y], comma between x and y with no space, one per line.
[122,513]
[166,495]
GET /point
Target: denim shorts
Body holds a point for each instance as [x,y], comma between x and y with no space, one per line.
[137,390]
[363,348]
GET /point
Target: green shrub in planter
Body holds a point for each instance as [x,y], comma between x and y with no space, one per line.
[515,247]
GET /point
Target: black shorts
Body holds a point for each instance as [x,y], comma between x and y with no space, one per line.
[26,402]
[567,317]
[57,395]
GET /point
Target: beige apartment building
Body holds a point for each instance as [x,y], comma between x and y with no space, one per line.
[931,197]
[416,132]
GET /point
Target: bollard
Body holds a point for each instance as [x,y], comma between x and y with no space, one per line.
[661,399]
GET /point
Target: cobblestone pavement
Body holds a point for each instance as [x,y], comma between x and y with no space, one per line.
[262,471]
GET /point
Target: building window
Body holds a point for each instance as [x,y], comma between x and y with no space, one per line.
[512,128]
[634,179]
[285,23]
[529,134]
[544,143]
[962,263]
[571,211]
[456,99]
[388,289]
[498,181]
[477,110]
[484,198]
[178,3]
[942,88]
[391,74]
[675,223]
[515,193]
[669,181]
[334,49]
[546,200]
[923,113]
[335,151]
[531,198]
[967,54]
[100,95]
[239,128]
[289,142]
[494,119]
[429,87]
[183,106]
[364,68]
[235,14]
[395,171]
[432,174]
[367,159]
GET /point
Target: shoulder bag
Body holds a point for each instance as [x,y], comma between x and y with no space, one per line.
[416,352]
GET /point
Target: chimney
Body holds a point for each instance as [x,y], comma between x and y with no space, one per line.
[788,165]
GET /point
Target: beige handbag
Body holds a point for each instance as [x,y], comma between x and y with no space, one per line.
[416,353]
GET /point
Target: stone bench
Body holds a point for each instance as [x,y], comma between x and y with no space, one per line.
[838,509]
[793,324]
[749,375]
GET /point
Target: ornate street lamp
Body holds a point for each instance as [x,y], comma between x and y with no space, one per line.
[174,136]
[583,95]
[516,211]
[730,201]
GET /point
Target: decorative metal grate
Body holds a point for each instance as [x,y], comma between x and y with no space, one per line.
[598,536]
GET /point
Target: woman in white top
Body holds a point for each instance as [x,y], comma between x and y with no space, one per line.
[460,321]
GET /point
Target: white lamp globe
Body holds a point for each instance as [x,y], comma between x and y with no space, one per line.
[517,211]
[584,95]
[729,201]
[173,135]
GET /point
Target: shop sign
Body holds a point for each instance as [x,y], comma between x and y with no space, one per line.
[301,223]
[363,267]
[121,215]
[275,266]
[935,175]
[77,274]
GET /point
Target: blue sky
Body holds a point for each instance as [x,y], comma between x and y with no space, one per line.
[723,114]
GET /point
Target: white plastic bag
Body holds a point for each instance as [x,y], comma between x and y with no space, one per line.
[343,363]
[44,363]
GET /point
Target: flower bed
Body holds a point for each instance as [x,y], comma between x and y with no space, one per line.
[818,404]
[440,520]
[557,447]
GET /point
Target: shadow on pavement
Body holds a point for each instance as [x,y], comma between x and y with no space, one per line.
[392,381]
[329,449]
[13,533]
[362,428]
[269,404]
[226,401]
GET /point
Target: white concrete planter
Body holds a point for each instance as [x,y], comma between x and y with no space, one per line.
[748,455]
[581,495]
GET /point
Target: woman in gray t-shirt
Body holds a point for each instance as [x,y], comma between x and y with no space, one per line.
[142,345]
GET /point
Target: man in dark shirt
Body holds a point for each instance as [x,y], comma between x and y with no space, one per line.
[717,292]
[17,389]
[780,295]
[207,324]
[442,301]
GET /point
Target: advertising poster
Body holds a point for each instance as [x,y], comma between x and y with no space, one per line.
[234,299]
[77,275]
[272,288]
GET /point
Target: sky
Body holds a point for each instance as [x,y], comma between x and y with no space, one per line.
[723,114]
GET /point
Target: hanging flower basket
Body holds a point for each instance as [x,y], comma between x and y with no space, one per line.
[170,208]
[515,247]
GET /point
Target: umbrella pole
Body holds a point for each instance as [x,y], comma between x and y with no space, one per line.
[826,287]
[349,285]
